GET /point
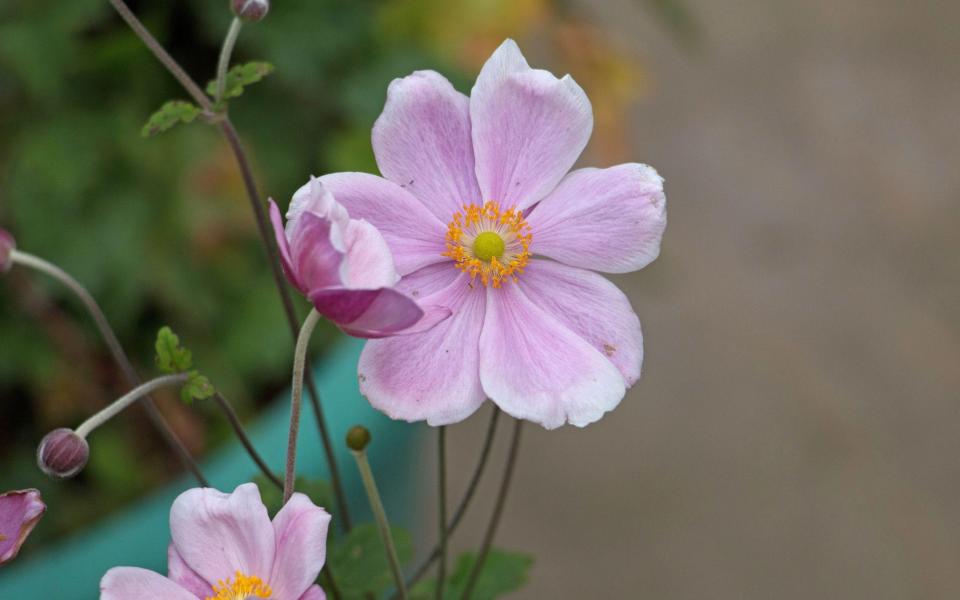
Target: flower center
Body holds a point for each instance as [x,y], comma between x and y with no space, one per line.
[240,587]
[488,243]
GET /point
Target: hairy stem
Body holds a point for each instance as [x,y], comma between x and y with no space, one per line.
[497,511]
[116,350]
[225,52]
[241,433]
[115,407]
[442,508]
[296,393]
[263,228]
[383,525]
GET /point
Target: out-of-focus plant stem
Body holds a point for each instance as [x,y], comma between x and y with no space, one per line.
[442,508]
[263,228]
[241,433]
[225,52]
[117,406]
[296,393]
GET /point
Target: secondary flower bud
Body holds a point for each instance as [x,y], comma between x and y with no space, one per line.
[358,438]
[7,246]
[62,453]
[250,11]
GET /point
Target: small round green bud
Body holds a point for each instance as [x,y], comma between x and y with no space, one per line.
[250,11]
[358,438]
[62,453]
[488,245]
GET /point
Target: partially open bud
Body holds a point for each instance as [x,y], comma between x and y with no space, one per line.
[250,11]
[62,453]
[357,438]
[7,246]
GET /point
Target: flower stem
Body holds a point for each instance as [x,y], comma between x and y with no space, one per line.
[467,497]
[263,228]
[225,52]
[115,407]
[497,511]
[241,433]
[442,502]
[116,350]
[299,362]
[383,525]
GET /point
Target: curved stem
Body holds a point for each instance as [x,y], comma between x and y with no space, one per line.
[380,514]
[241,433]
[442,502]
[115,407]
[116,350]
[497,511]
[225,52]
[467,497]
[263,228]
[296,393]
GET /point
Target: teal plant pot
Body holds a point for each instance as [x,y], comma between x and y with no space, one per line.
[139,535]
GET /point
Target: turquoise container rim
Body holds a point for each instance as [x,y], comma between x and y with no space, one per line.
[138,536]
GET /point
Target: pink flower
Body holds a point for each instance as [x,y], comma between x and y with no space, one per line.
[19,513]
[225,547]
[482,217]
[345,268]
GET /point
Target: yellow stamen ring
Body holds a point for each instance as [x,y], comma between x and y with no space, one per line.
[488,243]
[240,587]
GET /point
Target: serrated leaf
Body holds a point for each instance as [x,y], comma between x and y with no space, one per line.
[240,76]
[197,387]
[503,572]
[360,560]
[318,490]
[171,356]
[168,115]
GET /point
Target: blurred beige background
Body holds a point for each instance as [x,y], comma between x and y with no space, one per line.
[796,433]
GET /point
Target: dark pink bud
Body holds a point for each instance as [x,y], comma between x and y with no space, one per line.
[7,246]
[250,10]
[62,453]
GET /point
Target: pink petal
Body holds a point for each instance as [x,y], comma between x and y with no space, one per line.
[19,513]
[528,128]
[431,375]
[367,313]
[180,573]
[314,593]
[218,534]
[428,280]
[286,260]
[369,263]
[535,368]
[415,236]
[314,198]
[307,252]
[301,534]
[132,583]
[422,142]
[609,220]
[590,306]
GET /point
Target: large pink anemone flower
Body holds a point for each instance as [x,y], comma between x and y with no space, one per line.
[345,267]
[20,511]
[482,216]
[225,548]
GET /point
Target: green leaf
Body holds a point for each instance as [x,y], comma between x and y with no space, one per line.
[360,560]
[503,572]
[171,356]
[240,76]
[197,387]
[318,490]
[170,114]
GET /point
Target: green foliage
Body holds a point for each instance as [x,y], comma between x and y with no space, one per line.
[197,387]
[318,490]
[171,113]
[240,76]
[171,356]
[360,560]
[503,572]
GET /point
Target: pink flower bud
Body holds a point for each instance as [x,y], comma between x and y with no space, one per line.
[62,453]
[250,11]
[7,246]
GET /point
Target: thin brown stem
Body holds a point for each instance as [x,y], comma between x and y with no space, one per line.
[442,502]
[467,497]
[233,139]
[497,511]
[241,434]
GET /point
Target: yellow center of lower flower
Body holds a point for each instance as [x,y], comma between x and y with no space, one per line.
[240,587]
[488,243]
